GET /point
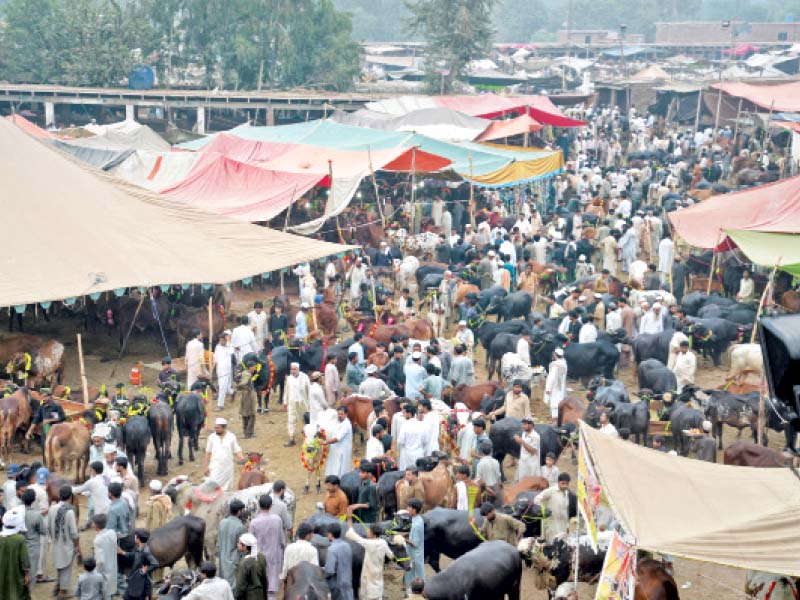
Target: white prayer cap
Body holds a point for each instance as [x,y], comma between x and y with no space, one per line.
[156,485]
[109,448]
[559,352]
[490,253]
[304,305]
[14,521]
[462,322]
[115,479]
[657,305]
[582,299]
[582,257]
[598,295]
[226,332]
[249,540]
[706,426]
[294,365]
[371,369]
[416,355]
[221,421]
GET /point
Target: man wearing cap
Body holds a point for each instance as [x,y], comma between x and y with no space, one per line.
[685,366]
[242,339]
[557,500]
[411,439]
[221,448]
[195,357]
[316,397]
[529,450]
[223,363]
[415,376]
[582,268]
[247,397]
[257,320]
[588,332]
[705,446]
[158,507]
[464,336]
[97,490]
[372,386]
[499,526]
[230,530]
[356,274]
[555,387]
[15,566]
[296,399]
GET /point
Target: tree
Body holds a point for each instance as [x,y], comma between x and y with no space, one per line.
[456,32]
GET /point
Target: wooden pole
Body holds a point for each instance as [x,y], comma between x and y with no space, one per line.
[711,272]
[330,192]
[716,117]
[736,125]
[471,196]
[210,361]
[416,216]
[763,298]
[699,107]
[84,384]
[285,227]
[375,185]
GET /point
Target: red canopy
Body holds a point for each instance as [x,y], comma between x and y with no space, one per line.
[30,127]
[771,208]
[741,50]
[491,105]
[784,97]
[244,150]
[229,187]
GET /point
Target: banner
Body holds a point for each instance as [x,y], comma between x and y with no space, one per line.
[588,493]
[618,578]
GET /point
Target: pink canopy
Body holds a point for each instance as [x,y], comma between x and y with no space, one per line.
[492,105]
[508,128]
[771,208]
[236,189]
[784,97]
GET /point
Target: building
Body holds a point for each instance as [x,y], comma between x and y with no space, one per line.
[737,32]
[595,37]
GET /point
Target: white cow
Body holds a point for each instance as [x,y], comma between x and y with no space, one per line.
[746,359]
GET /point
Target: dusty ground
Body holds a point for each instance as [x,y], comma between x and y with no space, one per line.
[697,581]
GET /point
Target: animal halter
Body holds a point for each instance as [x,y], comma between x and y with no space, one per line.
[316,445]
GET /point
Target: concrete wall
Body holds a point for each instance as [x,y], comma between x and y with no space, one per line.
[712,32]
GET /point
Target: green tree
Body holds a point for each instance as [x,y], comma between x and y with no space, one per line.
[73,42]
[456,32]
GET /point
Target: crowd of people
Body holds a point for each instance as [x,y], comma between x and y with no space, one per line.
[592,224]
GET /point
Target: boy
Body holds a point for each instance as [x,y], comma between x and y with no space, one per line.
[91,584]
[550,470]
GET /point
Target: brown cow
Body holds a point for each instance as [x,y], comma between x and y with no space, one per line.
[653,582]
[327,319]
[68,442]
[33,360]
[360,407]
[463,289]
[251,473]
[570,410]
[748,454]
[63,392]
[526,484]
[471,395]
[53,486]
[440,489]
[189,319]
[15,413]
[791,301]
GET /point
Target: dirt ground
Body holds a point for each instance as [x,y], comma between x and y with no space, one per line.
[697,581]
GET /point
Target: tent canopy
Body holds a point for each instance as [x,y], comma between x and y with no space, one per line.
[508,128]
[119,236]
[438,123]
[768,208]
[767,249]
[736,516]
[155,170]
[784,97]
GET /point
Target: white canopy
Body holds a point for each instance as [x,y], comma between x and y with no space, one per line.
[71,231]
[737,516]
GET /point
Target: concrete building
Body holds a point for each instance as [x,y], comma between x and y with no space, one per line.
[713,33]
[596,37]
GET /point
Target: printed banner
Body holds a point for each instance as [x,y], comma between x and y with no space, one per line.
[588,493]
[618,578]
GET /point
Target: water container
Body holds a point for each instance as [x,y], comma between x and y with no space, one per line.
[136,375]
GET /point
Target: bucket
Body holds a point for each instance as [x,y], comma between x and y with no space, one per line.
[136,374]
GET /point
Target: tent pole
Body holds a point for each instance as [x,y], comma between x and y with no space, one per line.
[210,361]
[84,384]
[767,289]
[699,106]
[713,261]
[762,397]
[471,196]
[716,117]
[736,125]
[375,185]
[416,215]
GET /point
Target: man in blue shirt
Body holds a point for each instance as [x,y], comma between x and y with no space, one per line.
[416,542]
[339,565]
[358,348]
[415,376]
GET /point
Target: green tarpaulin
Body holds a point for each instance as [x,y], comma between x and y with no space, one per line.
[767,249]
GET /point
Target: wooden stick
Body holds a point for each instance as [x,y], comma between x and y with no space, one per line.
[471,196]
[210,333]
[125,339]
[416,216]
[711,272]
[375,185]
[763,298]
[84,384]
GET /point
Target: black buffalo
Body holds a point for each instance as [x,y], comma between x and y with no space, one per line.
[682,417]
[502,435]
[593,358]
[180,538]
[387,495]
[508,307]
[491,571]
[160,420]
[713,336]
[628,419]
[694,301]
[607,390]
[652,345]
[449,532]
[560,559]
[655,376]
[136,435]
[430,282]
[305,580]
[487,331]
[190,416]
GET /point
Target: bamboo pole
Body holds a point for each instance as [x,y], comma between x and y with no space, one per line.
[716,117]
[210,361]
[713,261]
[736,125]
[375,185]
[471,196]
[699,107]
[767,289]
[762,397]
[84,384]
[416,216]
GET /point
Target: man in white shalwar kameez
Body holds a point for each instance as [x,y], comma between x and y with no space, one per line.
[296,398]
[257,320]
[223,355]
[242,339]
[675,347]
[628,245]
[221,448]
[555,387]
[666,254]
[195,358]
[340,442]
[105,554]
[685,366]
[411,441]
[376,552]
[317,402]
[530,445]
